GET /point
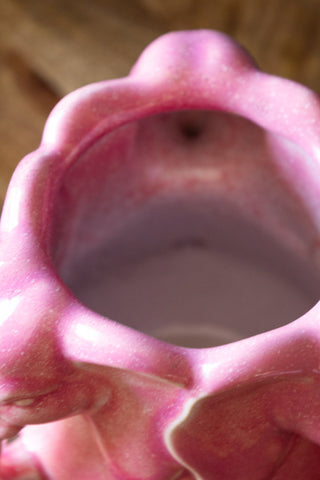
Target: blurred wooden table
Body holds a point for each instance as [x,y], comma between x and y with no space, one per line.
[50,47]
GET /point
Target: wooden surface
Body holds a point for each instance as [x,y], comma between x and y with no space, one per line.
[50,47]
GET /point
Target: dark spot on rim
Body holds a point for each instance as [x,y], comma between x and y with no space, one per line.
[191,131]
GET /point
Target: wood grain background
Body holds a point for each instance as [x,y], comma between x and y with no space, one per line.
[50,47]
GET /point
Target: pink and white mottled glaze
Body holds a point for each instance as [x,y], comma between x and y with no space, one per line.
[94,399]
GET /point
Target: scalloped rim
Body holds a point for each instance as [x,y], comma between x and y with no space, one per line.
[169,75]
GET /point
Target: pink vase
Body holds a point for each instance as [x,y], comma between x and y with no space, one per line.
[172,209]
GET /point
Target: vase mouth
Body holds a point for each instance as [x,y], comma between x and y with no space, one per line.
[170,228]
[220,83]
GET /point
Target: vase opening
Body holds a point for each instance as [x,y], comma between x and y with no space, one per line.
[188,226]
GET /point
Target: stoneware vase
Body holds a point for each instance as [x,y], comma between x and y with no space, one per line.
[159,277]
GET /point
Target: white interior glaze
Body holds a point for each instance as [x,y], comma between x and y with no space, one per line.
[163,232]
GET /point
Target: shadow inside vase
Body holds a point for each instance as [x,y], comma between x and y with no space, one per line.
[187,226]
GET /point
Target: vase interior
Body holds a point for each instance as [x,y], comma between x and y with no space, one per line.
[190,226]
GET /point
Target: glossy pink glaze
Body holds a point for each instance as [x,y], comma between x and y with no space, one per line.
[124,405]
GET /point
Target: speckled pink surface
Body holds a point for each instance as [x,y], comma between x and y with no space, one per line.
[196,132]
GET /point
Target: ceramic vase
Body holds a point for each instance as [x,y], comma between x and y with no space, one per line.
[159,277]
